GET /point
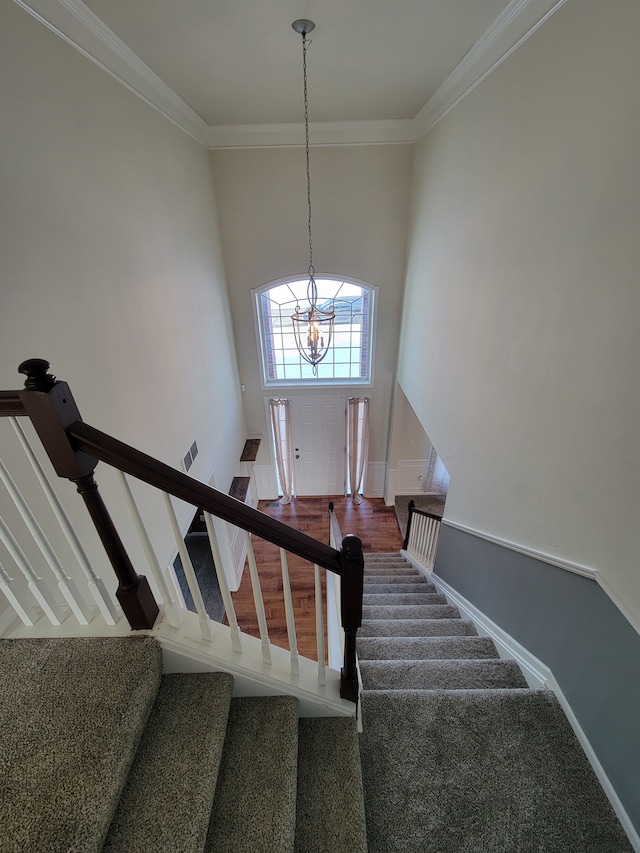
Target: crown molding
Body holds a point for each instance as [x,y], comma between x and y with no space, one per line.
[518,21]
[73,21]
[401,131]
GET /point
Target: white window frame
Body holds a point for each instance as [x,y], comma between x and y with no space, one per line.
[313,381]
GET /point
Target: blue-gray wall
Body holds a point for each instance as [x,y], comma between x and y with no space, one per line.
[572,626]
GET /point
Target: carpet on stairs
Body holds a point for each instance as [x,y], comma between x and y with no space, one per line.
[71,715]
[458,754]
[102,752]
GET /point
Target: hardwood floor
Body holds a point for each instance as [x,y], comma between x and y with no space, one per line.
[372,521]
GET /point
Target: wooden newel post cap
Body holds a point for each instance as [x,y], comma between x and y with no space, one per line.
[35,369]
[352,546]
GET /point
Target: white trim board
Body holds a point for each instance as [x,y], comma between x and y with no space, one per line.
[576,568]
[75,23]
[537,674]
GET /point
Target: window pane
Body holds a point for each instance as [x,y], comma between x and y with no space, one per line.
[348,355]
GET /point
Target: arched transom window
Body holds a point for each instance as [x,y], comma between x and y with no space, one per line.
[348,361]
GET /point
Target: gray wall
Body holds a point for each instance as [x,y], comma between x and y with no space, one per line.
[572,626]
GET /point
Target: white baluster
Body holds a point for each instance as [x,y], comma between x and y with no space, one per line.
[189,573]
[171,607]
[24,610]
[288,610]
[423,536]
[322,679]
[37,586]
[66,585]
[110,613]
[257,599]
[236,643]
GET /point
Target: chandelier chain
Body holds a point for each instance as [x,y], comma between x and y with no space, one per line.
[305,43]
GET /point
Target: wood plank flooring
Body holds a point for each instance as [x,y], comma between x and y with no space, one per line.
[372,521]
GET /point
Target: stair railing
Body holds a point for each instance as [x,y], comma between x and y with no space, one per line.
[421,538]
[75,448]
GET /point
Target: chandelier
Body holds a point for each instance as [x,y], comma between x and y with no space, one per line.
[312,327]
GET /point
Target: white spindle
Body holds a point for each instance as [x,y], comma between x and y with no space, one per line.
[109,611]
[171,607]
[66,585]
[422,535]
[37,586]
[23,609]
[288,610]
[423,538]
[428,550]
[230,610]
[322,679]
[189,573]
[257,598]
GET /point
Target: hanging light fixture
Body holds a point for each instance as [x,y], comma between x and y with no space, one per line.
[312,327]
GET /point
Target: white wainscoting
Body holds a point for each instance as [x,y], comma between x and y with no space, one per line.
[410,476]
[265,482]
[375,479]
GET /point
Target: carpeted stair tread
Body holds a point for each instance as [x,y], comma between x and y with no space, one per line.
[330,808]
[255,801]
[414,580]
[441,674]
[394,599]
[71,714]
[499,770]
[425,648]
[391,569]
[399,588]
[383,556]
[166,803]
[416,628]
[410,611]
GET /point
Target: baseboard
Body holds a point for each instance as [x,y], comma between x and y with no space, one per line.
[538,675]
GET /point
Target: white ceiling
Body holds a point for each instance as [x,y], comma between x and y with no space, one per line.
[240,62]
[230,71]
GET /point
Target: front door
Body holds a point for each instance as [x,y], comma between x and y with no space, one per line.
[319,431]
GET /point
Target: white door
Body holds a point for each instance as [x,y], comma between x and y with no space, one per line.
[319,432]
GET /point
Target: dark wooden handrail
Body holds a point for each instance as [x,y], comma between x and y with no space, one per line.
[75,448]
[10,404]
[108,449]
[414,510]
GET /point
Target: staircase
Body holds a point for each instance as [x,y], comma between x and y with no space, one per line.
[103,752]
[458,754]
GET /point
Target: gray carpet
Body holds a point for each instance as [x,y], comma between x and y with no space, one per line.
[71,715]
[329,808]
[99,752]
[200,554]
[458,754]
[254,810]
[166,803]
